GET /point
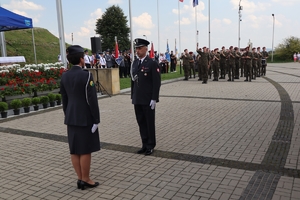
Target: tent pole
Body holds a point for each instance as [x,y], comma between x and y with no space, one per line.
[33,42]
[3,44]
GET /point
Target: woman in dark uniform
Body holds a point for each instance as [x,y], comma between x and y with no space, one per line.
[80,106]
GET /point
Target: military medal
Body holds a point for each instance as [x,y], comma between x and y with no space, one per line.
[145,74]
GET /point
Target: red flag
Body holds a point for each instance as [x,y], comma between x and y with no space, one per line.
[181,0]
[151,51]
[116,49]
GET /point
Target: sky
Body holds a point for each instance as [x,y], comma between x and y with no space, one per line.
[157,21]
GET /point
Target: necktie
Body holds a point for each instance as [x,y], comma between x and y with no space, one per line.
[140,62]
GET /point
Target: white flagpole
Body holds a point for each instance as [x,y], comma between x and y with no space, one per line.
[158,27]
[179,48]
[209,24]
[196,27]
[62,42]
[131,38]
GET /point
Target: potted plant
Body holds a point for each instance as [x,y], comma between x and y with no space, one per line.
[35,101]
[26,102]
[52,99]
[3,109]
[58,99]
[16,104]
[44,100]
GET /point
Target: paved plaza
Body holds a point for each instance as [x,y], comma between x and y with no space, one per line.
[223,140]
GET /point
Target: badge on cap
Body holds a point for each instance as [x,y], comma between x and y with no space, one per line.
[92,83]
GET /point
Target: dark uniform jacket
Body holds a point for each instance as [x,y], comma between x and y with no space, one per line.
[78,91]
[147,84]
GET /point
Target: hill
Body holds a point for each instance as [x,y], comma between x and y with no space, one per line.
[19,43]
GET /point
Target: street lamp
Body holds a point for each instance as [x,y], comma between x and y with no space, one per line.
[273,37]
[240,19]
[145,36]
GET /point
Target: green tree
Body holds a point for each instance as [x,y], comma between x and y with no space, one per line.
[286,50]
[113,23]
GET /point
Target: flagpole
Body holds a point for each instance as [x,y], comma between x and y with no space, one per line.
[131,38]
[209,24]
[179,30]
[62,42]
[196,27]
[158,27]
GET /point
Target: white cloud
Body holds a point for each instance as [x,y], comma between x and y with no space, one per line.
[114,1]
[250,6]
[90,24]
[141,32]
[286,2]
[143,21]
[226,21]
[23,5]
[184,21]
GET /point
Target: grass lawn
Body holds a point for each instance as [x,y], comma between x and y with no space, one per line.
[125,82]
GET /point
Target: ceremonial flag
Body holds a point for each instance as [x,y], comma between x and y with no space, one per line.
[181,0]
[116,48]
[168,52]
[151,51]
[195,3]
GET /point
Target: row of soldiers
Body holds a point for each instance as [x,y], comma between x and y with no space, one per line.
[235,63]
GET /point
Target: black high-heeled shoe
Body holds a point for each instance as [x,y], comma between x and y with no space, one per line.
[85,184]
[78,184]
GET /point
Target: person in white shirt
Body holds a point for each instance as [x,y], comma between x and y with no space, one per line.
[102,60]
[162,63]
[298,56]
[87,59]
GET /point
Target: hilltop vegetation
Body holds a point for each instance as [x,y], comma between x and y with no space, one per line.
[19,43]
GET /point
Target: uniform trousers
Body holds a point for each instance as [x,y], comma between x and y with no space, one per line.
[216,71]
[145,117]
[242,68]
[248,71]
[231,71]
[222,68]
[186,70]
[192,69]
[237,69]
[263,70]
[199,71]
[204,72]
[258,68]
[254,70]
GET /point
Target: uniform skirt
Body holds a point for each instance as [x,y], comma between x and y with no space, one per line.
[82,140]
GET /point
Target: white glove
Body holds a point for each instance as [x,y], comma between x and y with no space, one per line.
[94,128]
[153,104]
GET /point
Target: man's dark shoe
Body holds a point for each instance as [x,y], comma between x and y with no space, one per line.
[185,79]
[141,151]
[229,80]
[246,80]
[149,152]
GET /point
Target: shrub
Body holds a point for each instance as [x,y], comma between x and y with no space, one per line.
[44,99]
[26,102]
[58,97]
[35,100]
[15,104]
[51,97]
[3,106]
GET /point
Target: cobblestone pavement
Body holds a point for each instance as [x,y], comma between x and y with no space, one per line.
[223,140]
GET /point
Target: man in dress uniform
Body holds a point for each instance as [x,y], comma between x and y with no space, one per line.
[145,86]
[265,56]
[186,64]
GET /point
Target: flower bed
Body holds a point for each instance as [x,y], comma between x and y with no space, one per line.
[29,79]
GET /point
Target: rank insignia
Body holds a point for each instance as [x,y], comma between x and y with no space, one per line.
[92,83]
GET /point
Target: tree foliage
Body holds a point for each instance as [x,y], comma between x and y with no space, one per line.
[113,23]
[286,50]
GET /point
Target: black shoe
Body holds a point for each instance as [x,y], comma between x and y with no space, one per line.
[149,152]
[85,184]
[232,80]
[229,80]
[237,78]
[204,82]
[185,79]
[199,79]
[78,184]
[141,151]
[246,80]
[214,79]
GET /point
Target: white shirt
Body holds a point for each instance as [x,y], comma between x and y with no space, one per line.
[161,58]
[102,61]
[87,59]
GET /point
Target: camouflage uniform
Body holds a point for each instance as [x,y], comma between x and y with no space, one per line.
[186,65]
[237,64]
[265,55]
[254,64]
[216,65]
[242,64]
[259,63]
[231,67]
[223,63]
[204,65]
[192,67]
[248,65]
[198,61]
